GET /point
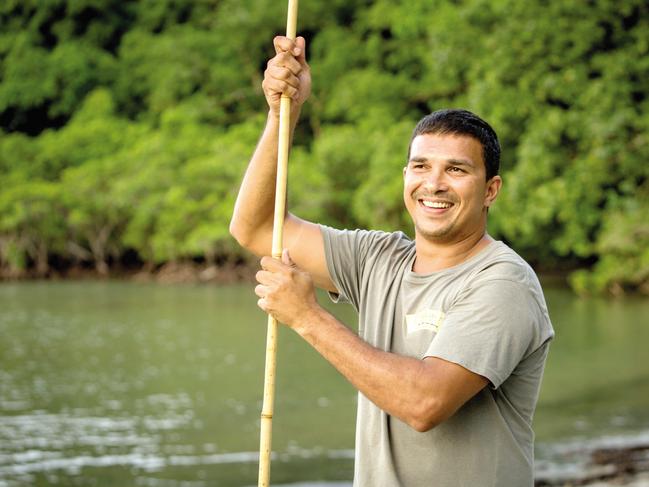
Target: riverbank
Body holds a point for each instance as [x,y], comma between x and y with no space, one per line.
[169,273]
[605,461]
[641,480]
[187,273]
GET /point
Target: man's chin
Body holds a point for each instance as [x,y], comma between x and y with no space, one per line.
[434,234]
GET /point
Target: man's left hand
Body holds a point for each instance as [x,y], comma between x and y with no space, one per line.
[285,291]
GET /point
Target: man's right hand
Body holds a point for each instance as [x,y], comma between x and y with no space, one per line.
[287,73]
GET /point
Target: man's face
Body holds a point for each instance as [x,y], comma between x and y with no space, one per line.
[445,190]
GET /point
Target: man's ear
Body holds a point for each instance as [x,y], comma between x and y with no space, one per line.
[493,188]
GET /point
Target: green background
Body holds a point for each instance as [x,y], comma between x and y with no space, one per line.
[126,125]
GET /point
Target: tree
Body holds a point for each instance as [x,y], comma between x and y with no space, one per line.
[144,113]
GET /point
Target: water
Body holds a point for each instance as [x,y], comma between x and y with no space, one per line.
[113,383]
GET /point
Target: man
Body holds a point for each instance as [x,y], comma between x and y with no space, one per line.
[454,330]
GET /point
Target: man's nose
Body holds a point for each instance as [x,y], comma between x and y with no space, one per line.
[436,180]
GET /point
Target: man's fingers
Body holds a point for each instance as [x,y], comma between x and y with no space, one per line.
[279,87]
[276,266]
[285,60]
[265,277]
[282,74]
[287,73]
[271,264]
[286,258]
[261,290]
[301,45]
[284,44]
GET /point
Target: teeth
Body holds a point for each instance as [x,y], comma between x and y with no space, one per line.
[435,204]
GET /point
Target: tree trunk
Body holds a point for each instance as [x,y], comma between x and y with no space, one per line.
[42,265]
[98,248]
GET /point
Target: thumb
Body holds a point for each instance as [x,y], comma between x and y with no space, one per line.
[301,43]
[286,258]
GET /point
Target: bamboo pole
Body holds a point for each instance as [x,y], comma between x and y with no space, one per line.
[278,227]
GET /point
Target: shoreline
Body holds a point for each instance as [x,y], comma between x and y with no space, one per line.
[168,273]
[604,461]
[186,273]
[639,479]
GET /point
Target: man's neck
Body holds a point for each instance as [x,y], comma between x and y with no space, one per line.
[433,256]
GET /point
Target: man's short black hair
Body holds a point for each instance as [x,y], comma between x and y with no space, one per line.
[463,122]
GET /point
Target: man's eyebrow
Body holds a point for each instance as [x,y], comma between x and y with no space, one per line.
[418,159]
[456,162]
[461,162]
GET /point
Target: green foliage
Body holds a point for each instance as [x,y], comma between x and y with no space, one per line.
[52,54]
[31,225]
[186,191]
[126,126]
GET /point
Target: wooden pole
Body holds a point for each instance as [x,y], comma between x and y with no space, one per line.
[278,226]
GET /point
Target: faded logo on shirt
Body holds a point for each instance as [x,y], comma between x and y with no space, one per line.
[425,319]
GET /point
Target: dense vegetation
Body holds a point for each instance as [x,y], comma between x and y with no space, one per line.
[126,125]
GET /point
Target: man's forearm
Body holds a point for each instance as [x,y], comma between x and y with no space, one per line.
[252,218]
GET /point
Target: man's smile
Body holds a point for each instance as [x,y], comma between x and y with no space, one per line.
[434,205]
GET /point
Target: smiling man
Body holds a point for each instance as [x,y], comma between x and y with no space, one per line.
[453,327]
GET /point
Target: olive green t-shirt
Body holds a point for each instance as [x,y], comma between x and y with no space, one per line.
[487,314]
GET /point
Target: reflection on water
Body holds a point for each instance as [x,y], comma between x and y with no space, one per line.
[127,384]
[41,442]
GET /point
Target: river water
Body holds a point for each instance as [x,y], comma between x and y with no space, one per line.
[128,384]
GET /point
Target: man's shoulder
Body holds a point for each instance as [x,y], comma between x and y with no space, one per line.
[501,262]
[358,257]
[504,272]
[371,242]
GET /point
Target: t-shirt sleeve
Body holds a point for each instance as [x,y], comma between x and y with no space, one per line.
[342,251]
[490,329]
[350,255]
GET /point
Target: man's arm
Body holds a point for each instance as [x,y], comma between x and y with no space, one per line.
[252,220]
[422,393]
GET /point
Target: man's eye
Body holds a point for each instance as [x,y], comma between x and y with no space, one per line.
[455,169]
